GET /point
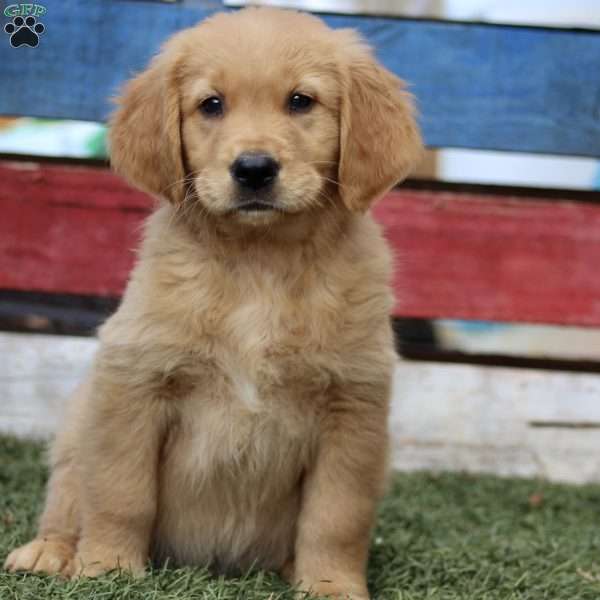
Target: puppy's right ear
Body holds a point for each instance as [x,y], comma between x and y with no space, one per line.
[145,139]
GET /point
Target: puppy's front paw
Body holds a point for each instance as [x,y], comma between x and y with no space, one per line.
[53,556]
[98,561]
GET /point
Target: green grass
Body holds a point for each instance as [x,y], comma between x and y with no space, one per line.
[443,537]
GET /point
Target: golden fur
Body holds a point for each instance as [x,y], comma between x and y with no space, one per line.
[236,413]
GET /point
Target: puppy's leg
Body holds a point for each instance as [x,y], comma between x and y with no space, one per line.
[53,548]
[121,436]
[340,496]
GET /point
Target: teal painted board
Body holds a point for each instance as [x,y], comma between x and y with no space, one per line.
[478,86]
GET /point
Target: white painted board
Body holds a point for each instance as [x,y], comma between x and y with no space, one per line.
[583,14]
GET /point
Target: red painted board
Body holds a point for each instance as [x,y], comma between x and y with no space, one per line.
[484,257]
[71,229]
[67,229]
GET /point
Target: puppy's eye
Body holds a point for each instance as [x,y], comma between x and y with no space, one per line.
[212,107]
[299,103]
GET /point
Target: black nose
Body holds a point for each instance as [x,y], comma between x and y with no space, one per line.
[254,171]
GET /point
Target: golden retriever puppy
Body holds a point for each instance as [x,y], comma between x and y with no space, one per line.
[236,413]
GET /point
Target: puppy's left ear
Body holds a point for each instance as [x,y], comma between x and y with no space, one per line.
[380,142]
[145,140]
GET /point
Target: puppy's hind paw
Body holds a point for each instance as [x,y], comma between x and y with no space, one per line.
[43,555]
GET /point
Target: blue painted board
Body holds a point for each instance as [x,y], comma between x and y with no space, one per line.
[478,86]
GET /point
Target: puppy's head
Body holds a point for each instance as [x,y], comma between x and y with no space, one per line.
[264,114]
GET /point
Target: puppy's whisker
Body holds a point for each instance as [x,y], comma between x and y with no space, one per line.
[334,181]
[187,179]
[327,199]
[182,210]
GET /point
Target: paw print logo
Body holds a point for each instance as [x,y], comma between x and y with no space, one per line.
[24,32]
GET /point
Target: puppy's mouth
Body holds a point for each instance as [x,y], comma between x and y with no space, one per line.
[255,206]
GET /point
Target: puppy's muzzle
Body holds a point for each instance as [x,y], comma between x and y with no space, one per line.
[254,173]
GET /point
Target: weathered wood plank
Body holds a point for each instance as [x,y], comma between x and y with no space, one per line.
[37,374]
[69,229]
[73,230]
[487,419]
[494,258]
[478,86]
[444,417]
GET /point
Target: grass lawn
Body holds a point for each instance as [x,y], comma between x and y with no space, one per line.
[443,537]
